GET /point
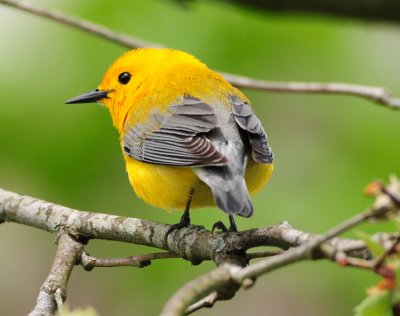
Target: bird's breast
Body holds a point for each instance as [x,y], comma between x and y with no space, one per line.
[166,187]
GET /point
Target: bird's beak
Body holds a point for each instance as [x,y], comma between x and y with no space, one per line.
[89,97]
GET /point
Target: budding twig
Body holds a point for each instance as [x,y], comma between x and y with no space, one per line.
[141,261]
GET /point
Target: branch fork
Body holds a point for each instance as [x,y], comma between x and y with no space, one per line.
[53,292]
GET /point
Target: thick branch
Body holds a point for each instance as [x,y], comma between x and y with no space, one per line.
[376,94]
[53,291]
[190,243]
[52,217]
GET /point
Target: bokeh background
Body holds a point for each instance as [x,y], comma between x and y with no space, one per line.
[327,147]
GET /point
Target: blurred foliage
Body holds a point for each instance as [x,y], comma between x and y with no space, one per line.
[383,298]
[376,304]
[87,311]
[327,147]
[375,247]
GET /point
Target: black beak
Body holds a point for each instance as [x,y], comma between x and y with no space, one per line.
[89,97]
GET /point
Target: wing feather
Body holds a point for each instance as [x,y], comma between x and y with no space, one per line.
[176,138]
[251,125]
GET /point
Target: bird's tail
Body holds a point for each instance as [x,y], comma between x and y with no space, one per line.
[229,191]
[233,197]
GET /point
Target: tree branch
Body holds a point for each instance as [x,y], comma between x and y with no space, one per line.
[374,10]
[191,243]
[263,254]
[206,302]
[141,261]
[80,24]
[197,289]
[53,291]
[227,275]
[377,94]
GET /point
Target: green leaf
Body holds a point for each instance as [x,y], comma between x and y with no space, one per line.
[375,247]
[378,304]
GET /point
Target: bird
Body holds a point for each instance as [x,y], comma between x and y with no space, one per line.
[189,138]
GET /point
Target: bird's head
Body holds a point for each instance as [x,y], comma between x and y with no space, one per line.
[132,76]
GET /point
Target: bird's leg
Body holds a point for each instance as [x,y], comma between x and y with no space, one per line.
[233,227]
[185,219]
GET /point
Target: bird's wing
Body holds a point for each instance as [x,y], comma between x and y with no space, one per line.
[177,137]
[251,125]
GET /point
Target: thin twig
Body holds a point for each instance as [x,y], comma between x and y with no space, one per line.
[263,254]
[141,261]
[379,260]
[196,290]
[81,24]
[58,296]
[206,302]
[377,265]
[305,251]
[377,94]
[53,291]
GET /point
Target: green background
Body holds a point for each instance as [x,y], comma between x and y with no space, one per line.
[327,148]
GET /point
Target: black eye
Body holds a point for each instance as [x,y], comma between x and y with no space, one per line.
[124,77]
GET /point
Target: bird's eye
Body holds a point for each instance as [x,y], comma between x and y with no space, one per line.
[124,77]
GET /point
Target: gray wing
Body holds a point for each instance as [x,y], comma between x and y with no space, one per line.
[176,138]
[251,125]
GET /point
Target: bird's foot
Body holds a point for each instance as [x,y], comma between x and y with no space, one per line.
[181,225]
[185,219]
[177,226]
[184,222]
[221,226]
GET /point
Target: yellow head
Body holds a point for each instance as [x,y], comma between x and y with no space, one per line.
[133,75]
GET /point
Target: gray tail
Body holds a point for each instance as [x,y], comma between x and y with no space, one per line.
[232,196]
[228,188]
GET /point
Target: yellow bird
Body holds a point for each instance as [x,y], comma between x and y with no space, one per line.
[189,138]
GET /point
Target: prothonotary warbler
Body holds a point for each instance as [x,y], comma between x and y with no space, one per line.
[189,138]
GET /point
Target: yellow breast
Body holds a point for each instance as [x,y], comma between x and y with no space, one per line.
[168,187]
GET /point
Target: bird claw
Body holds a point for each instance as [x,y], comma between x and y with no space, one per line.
[174,227]
[219,225]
